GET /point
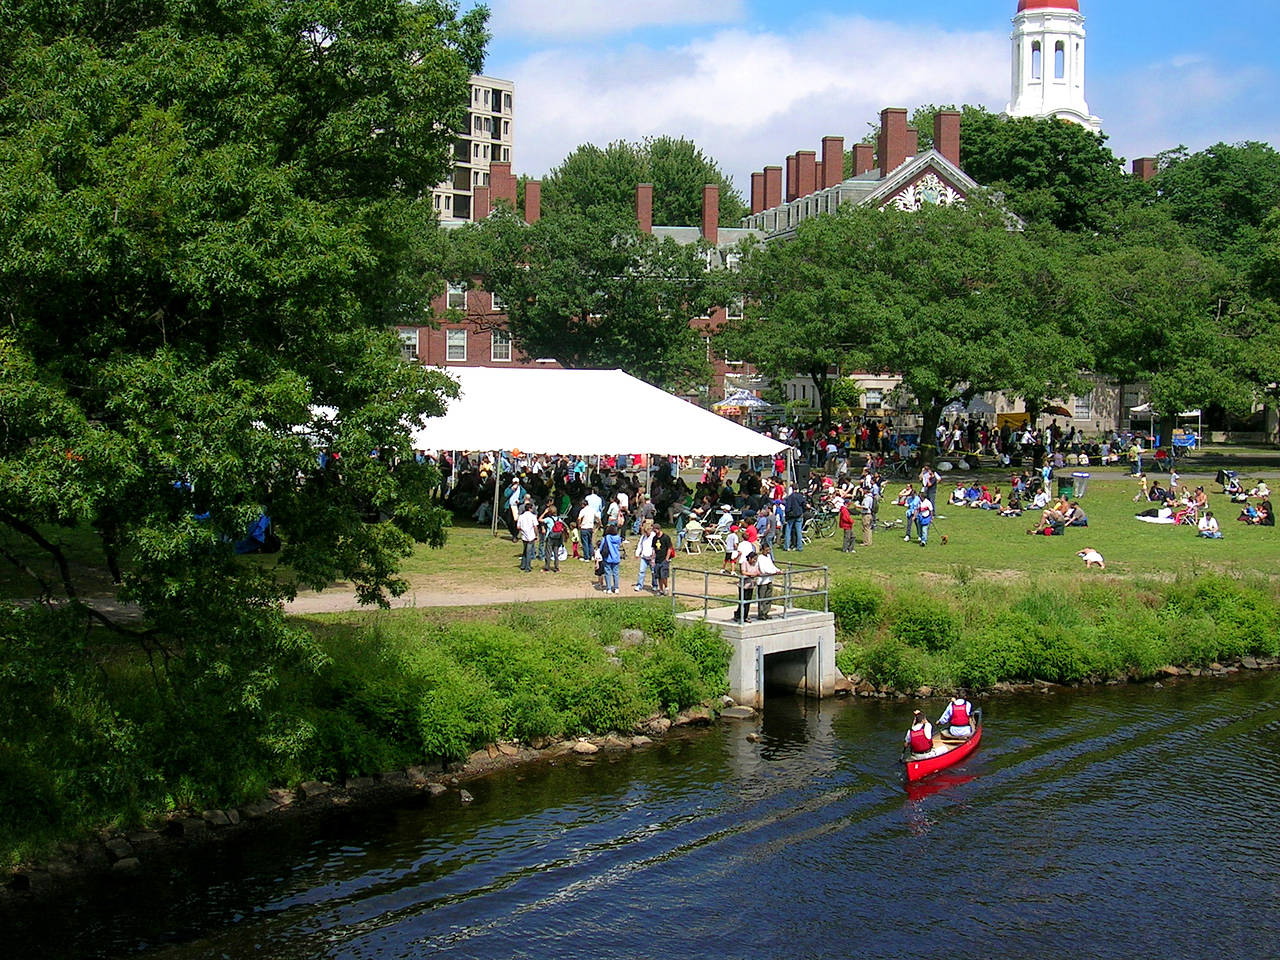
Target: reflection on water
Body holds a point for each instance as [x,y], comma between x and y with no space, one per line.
[1111,823]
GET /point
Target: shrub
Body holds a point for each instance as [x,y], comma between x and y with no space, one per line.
[856,604]
[531,714]
[892,663]
[710,652]
[924,623]
[671,678]
[458,714]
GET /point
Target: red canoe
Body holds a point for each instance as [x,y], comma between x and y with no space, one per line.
[919,769]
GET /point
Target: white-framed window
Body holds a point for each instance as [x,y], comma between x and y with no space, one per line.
[500,346]
[456,299]
[1082,409]
[408,345]
[733,261]
[448,201]
[1036,60]
[706,341]
[506,102]
[498,305]
[455,345]
[475,94]
[872,397]
[486,98]
[1059,60]
[737,308]
[730,362]
[506,154]
[506,128]
[479,126]
[488,125]
[475,150]
[486,151]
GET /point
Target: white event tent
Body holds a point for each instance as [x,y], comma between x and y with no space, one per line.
[590,412]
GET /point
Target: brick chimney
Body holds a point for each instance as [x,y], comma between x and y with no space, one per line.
[832,161]
[502,185]
[644,207]
[1144,168]
[711,214]
[793,181]
[772,187]
[864,158]
[946,135]
[894,146]
[480,206]
[532,201]
[817,176]
[757,192]
[806,173]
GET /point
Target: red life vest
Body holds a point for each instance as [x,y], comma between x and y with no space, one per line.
[959,714]
[920,741]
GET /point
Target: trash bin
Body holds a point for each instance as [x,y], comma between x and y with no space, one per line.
[1067,487]
[1081,482]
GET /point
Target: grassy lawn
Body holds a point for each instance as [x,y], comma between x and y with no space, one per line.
[980,544]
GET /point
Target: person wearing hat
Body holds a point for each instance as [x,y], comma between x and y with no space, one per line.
[731,541]
[919,739]
[724,518]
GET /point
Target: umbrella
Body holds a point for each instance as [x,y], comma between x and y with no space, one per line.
[1057,411]
[743,398]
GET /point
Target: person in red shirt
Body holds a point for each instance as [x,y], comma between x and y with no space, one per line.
[846,524]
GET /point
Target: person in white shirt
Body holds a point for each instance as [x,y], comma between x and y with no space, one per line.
[1208,527]
[764,583]
[644,553]
[588,517]
[527,527]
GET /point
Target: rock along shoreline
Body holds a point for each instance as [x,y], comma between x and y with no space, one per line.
[119,854]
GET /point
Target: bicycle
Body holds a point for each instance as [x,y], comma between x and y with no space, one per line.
[821,525]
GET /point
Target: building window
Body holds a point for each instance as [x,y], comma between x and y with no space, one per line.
[486,151]
[448,201]
[486,98]
[455,346]
[737,308]
[498,305]
[1036,60]
[488,125]
[475,150]
[506,102]
[872,397]
[731,363]
[500,347]
[506,154]
[408,345]
[1083,407]
[1059,60]
[457,297]
[506,128]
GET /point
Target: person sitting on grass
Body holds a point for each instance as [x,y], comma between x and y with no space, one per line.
[958,495]
[1208,527]
[1261,491]
[1074,516]
[1158,493]
[1052,524]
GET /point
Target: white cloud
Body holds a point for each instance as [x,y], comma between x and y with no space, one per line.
[750,98]
[513,19]
[1188,100]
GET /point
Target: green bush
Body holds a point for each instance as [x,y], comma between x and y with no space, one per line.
[531,714]
[671,678]
[458,714]
[856,604]
[890,662]
[925,623]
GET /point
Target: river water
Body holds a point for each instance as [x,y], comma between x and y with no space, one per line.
[1121,822]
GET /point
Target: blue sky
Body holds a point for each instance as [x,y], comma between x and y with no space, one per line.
[754,80]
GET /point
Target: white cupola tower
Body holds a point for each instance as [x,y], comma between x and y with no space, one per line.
[1048,62]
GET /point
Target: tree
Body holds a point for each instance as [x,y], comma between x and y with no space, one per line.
[1171,315]
[809,304]
[592,177]
[594,291]
[211,215]
[951,299]
[1222,195]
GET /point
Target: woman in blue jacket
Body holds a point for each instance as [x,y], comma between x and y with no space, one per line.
[611,555]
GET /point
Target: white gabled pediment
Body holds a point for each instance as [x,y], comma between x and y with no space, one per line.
[928,178]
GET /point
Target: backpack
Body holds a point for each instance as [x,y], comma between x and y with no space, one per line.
[557,528]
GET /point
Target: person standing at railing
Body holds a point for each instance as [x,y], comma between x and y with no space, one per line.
[748,572]
[764,583]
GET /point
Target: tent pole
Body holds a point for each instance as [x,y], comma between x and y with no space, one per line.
[497,485]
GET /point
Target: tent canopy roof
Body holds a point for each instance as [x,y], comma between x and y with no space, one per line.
[593,412]
[1145,409]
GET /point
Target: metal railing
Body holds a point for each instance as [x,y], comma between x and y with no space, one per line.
[791,577]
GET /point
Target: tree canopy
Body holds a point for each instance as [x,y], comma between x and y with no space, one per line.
[593,291]
[592,177]
[210,215]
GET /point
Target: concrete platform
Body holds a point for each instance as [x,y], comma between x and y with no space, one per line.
[793,652]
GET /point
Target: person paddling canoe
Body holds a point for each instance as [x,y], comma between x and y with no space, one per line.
[957,719]
[919,738]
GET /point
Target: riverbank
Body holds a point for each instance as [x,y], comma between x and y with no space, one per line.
[390,691]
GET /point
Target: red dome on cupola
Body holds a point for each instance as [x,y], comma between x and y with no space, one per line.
[1049,5]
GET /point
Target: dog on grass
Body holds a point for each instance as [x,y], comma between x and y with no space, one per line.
[944,539]
[1092,558]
